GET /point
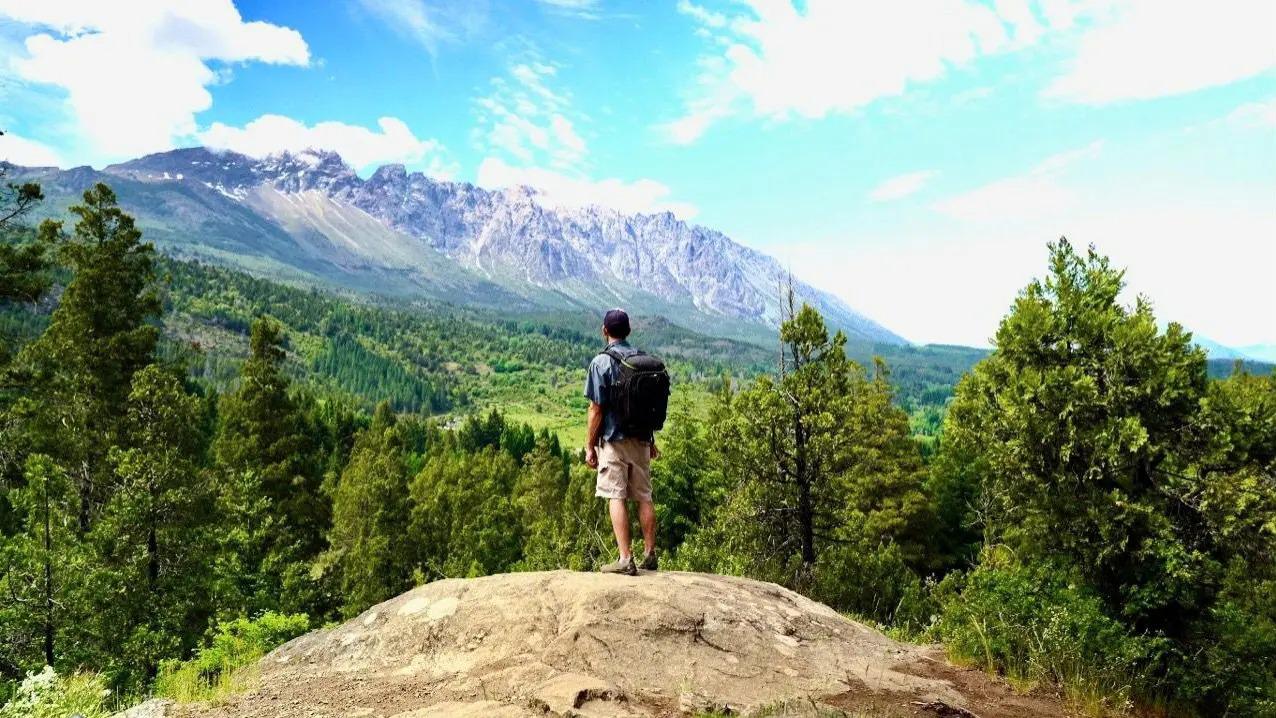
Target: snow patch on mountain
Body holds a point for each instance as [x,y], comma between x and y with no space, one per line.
[506,235]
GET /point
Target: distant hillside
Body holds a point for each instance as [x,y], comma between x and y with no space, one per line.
[309,216]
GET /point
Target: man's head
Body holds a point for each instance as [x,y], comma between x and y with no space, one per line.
[616,324]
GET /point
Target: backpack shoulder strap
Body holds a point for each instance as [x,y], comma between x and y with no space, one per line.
[609,351]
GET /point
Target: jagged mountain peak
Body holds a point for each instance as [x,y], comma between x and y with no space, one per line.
[357,230]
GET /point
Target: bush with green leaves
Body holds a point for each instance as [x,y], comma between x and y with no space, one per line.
[1093,445]
[49,695]
[215,670]
[874,582]
[1037,623]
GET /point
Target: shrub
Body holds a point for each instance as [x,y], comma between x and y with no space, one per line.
[48,695]
[224,666]
[1232,669]
[874,582]
[1033,623]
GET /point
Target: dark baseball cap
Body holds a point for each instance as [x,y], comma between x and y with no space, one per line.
[616,322]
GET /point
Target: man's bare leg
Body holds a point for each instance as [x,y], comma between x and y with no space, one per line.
[620,525]
[646,517]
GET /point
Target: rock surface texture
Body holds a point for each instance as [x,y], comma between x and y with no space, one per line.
[575,644]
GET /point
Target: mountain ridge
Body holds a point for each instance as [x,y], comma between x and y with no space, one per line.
[406,232]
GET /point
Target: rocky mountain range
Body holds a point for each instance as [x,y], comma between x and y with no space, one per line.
[309,217]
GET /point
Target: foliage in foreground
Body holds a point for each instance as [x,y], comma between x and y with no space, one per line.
[1037,626]
[49,695]
[219,669]
[1137,497]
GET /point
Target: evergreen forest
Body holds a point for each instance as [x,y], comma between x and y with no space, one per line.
[196,464]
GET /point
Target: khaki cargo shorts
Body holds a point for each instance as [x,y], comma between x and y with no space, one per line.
[624,470]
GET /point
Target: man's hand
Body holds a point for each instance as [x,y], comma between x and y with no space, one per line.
[655,452]
[591,457]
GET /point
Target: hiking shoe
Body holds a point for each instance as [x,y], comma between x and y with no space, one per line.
[622,565]
[650,562]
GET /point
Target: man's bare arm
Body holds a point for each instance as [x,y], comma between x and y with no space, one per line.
[593,433]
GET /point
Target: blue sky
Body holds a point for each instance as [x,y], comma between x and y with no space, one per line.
[912,156]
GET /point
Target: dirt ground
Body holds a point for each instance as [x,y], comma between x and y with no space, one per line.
[576,644]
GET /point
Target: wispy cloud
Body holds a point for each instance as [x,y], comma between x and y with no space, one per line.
[529,129]
[430,24]
[585,9]
[1260,114]
[1037,193]
[901,186]
[528,119]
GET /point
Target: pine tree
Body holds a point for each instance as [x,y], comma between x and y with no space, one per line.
[151,544]
[463,516]
[371,550]
[1080,423]
[270,485]
[17,199]
[685,476]
[43,567]
[80,370]
[821,463]
[564,528]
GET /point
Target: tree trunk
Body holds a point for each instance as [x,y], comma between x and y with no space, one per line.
[806,511]
[48,576]
[806,516]
[152,561]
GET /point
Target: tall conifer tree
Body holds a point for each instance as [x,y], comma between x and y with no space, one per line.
[151,543]
[270,483]
[101,333]
[370,542]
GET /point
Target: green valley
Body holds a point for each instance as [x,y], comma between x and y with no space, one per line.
[197,464]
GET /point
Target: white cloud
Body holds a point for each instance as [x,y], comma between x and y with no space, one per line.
[361,147]
[779,59]
[704,16]
[570,4]
[412,18]
[1036,193]
[834,56]
[901,186]
[135,74]
[1154,48]
[554,189]
[29,153]
[1179,236]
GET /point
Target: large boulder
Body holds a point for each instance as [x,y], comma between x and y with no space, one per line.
[563,643]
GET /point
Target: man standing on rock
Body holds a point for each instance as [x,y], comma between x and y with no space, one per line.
[628,394]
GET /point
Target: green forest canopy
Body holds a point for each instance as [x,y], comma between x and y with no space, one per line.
[183,446]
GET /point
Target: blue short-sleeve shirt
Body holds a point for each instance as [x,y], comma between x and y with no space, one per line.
[603,374]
